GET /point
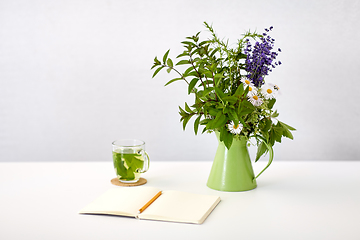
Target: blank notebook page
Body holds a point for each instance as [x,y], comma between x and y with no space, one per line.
[128,200]
[173,205]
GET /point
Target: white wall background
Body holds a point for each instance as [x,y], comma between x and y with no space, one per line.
[75,75]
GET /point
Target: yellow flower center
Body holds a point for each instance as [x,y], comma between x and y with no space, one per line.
[255,97]
[247,82]
[236,126]
[269,91]
[250,88]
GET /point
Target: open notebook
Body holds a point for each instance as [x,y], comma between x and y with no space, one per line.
[171,206]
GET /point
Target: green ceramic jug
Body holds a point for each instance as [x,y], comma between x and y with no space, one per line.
[232,170]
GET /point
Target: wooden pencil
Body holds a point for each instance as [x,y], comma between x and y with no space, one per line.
[150,202]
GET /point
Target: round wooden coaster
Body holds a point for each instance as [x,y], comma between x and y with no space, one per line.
[116,182]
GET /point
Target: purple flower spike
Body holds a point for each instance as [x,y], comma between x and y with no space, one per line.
[259,61]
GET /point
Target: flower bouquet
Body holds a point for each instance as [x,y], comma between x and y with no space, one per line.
[228,83]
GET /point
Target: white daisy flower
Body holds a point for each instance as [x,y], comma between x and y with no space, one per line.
[252,90]
[246,82]
[235,129]
[255,99]
[269,90]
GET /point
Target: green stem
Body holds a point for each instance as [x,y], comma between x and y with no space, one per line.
[192,64]
[177,72]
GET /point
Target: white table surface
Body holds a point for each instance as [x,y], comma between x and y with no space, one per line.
[293,200]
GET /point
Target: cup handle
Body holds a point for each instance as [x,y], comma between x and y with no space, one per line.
[146,163]
[271,155]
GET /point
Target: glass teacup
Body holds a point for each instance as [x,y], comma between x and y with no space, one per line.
[130,159]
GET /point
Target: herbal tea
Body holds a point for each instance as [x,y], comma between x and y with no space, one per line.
[128,166]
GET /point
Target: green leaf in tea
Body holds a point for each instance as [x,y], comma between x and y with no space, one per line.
[128,165]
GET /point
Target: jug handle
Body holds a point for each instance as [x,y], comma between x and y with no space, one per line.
[271,155]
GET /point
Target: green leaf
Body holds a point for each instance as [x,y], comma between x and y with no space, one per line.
[127,164]
[119,164]
[208,82]
[275,114]
[207,91]
[275,134]
[187,71]
[208,73]
[239,91]
[222,134]
[173,80]
[226,137]
[193,73]
[219,120]
[157,70]
[248,104]
[233,116]
[286,130]
[196,51]
[184,54]
[230,99]
[170,62]
[287,126]
[271,103]
[242,121]
[196,124]
[217,78]
[134,160]
[187,108]
[213,111]
[192,85]
[165,56]
[213,52]
[202,51]
[287,133]
[246,91]
[228,140]
[198,103]
[186,120]
[204,129]
[267,125]
[219,93]
[156,63]
[182,112]
[245,108]
[265,135]
[182,62]
[260,151]
[188,43]
[218,75]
